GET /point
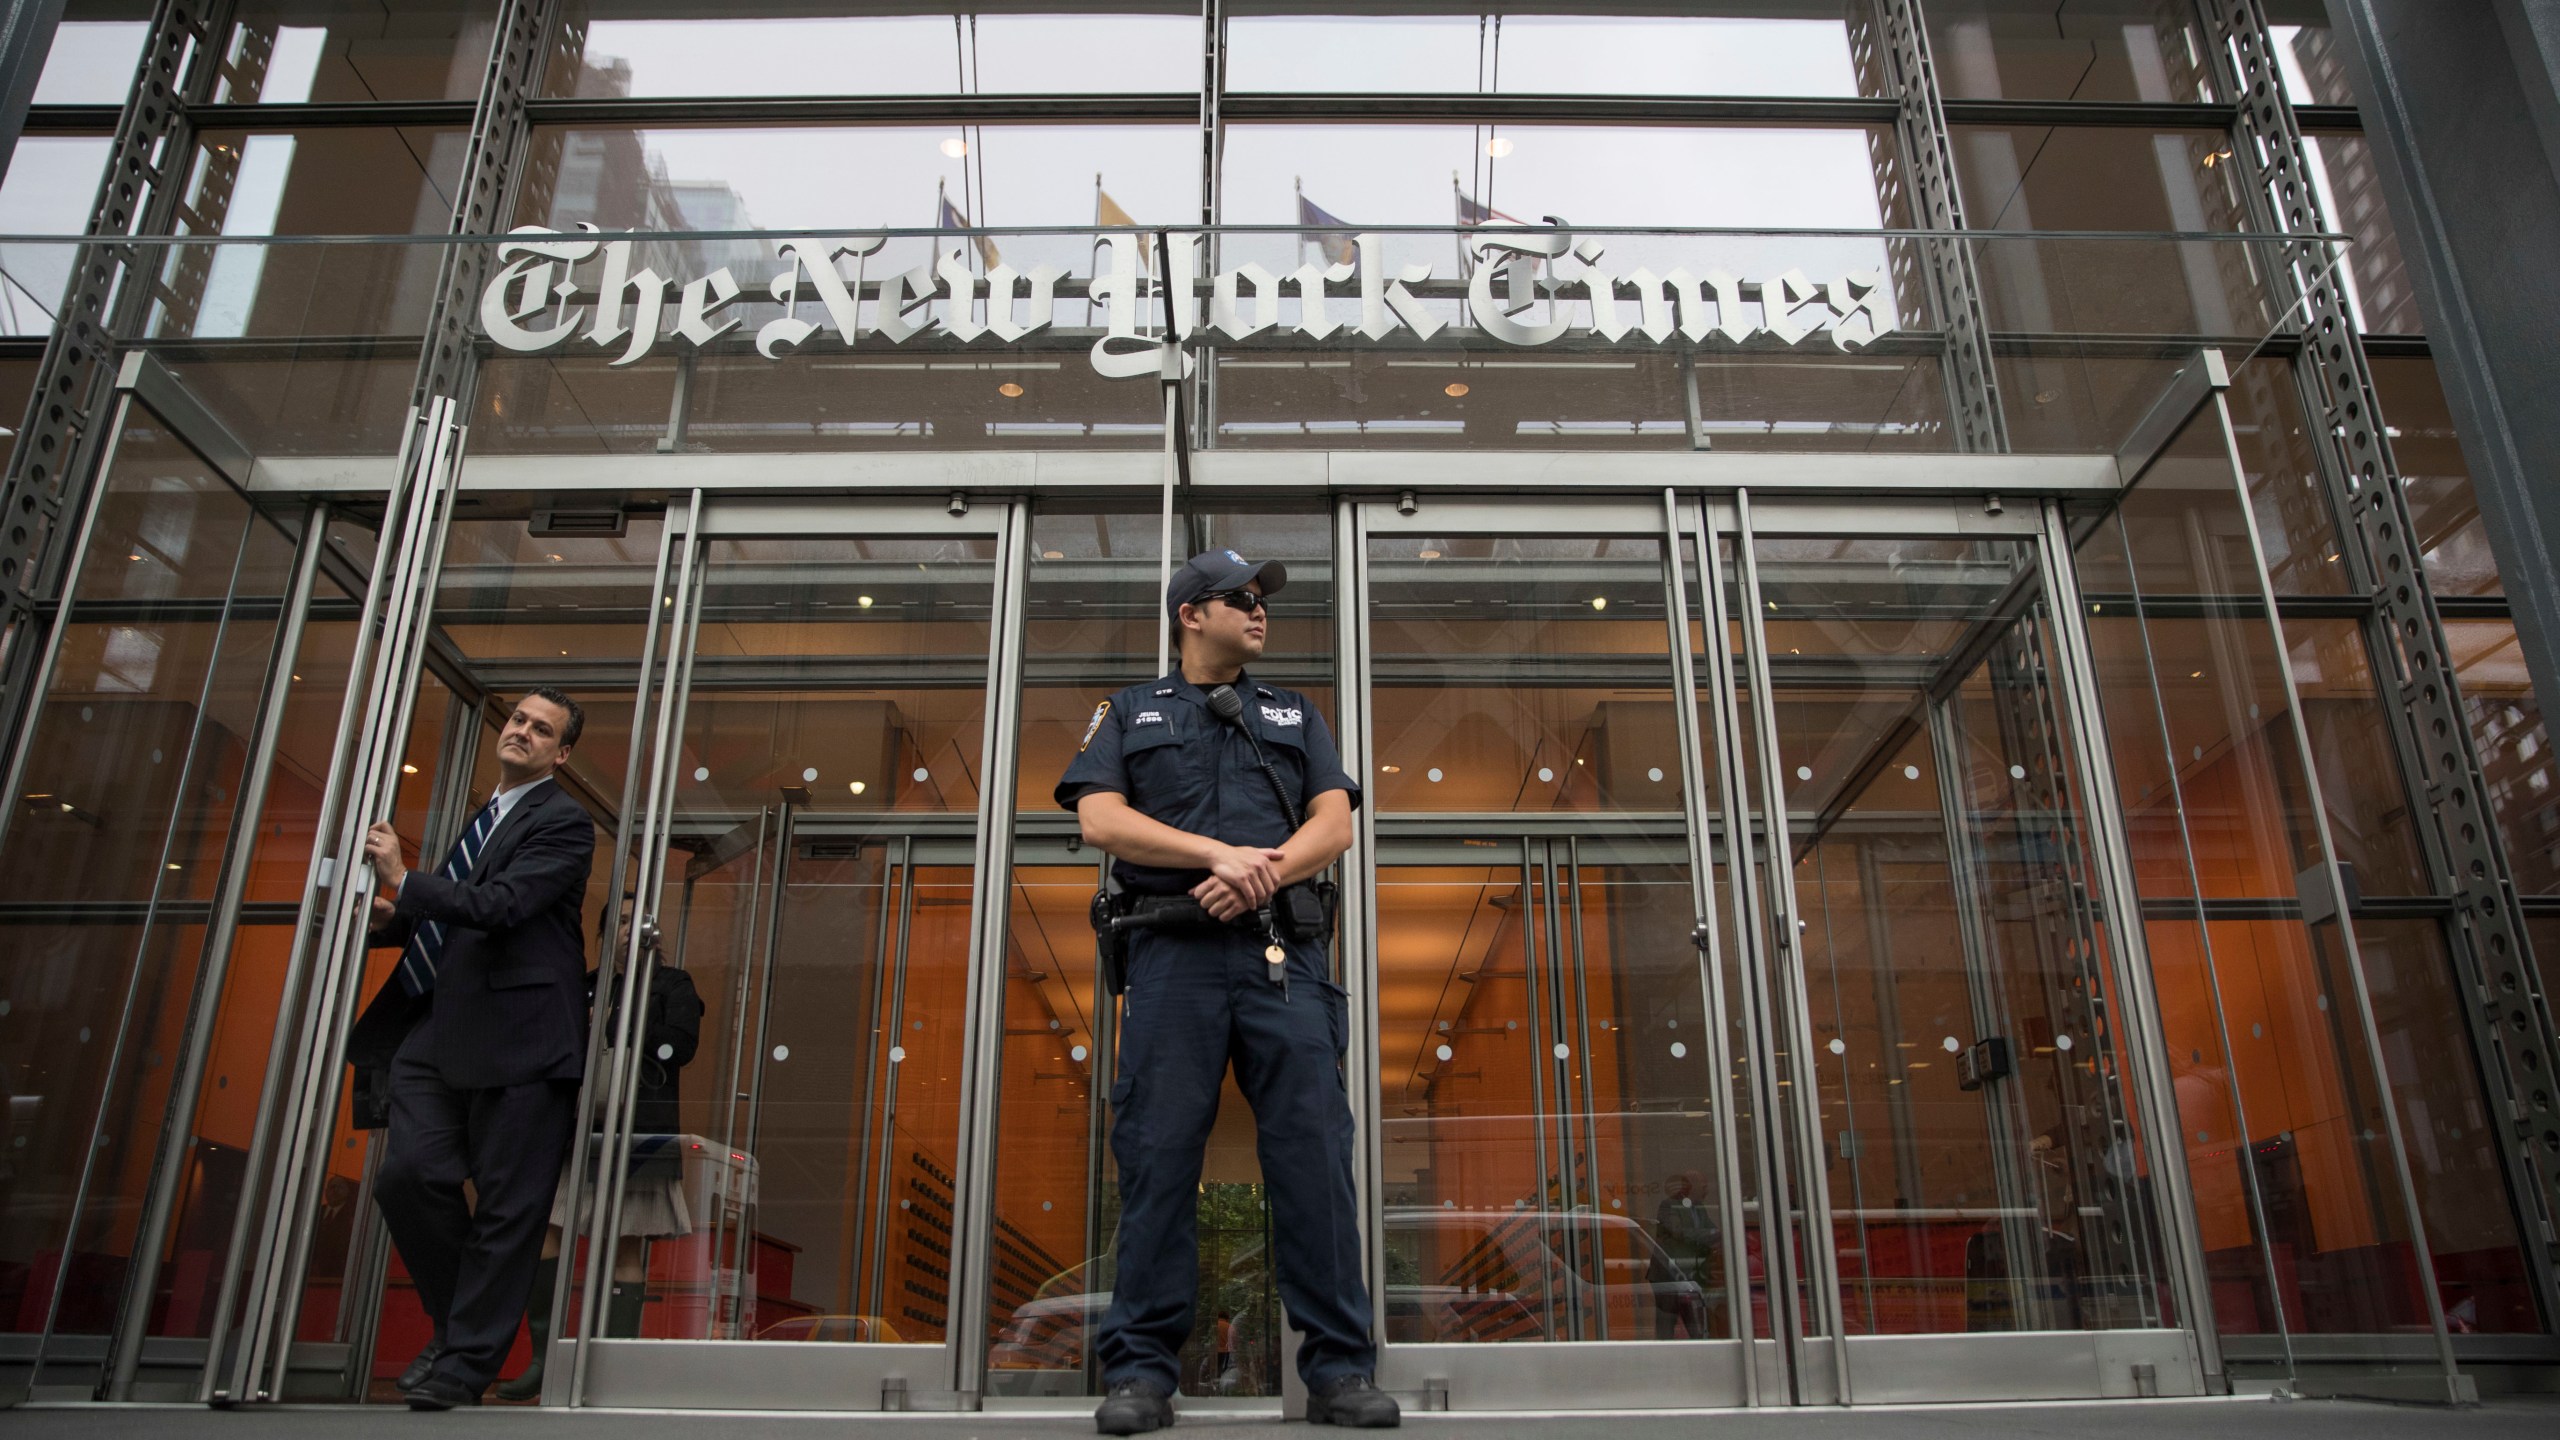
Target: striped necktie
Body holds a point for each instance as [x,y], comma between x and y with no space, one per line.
[426,946]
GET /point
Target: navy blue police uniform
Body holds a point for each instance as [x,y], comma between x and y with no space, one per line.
[1194,1003]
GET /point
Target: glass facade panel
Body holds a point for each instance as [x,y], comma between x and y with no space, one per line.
[1842,177]
[2081,177]
[95,52]
[51,185]
[2376,274]
[1809,47]
[2452,537]
[2515,747]
[2277,1081]
[2116,50]
[285,52]
[618,48]
[112,853]
[878,175]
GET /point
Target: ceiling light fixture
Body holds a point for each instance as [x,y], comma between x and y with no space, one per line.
[955,147]
[1454,389]
[1010,390]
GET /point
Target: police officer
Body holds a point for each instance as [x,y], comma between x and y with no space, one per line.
[1219,820]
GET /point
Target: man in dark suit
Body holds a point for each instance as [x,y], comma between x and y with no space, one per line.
[484,1021]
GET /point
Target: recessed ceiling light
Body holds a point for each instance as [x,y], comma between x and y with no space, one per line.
[1009,390]
[1053,554]
[1498,146]
[408,769]
[1430,554]
[862,600]
[955,147]
[1599,602]
[1454,389]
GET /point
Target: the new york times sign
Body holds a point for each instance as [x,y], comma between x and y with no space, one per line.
[538,302]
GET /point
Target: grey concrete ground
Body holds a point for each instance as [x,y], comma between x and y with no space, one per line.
[2537,1418]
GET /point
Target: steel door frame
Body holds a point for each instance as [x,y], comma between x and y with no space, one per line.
[2021,1365]
[718,1374]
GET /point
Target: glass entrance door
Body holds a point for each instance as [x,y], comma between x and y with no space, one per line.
[782,1179]
[1558,1200]
[1944,968]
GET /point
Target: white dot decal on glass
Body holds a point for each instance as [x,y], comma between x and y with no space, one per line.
[1507,1025]
[2061,1042]
[922,775]
[2017,772]
[897,1054]
[2257,1031]
[1047,1204]
[1838,1046]
[1444,1052]
[157,757]
[4,1007]
[1679,1051]
[1654,774]
[84,1034]
[1617,1204]
[809,774]
[1910,772]
[1432,775]
[1804,772]
[666,1051]
[701,773]
[2320,1000]
[1951,1044]
[781,1052]
[1563,1051]
[1076,1053]
[2199,752]
[1053,1024]
[1545,774]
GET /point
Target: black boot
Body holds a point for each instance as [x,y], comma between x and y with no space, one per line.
[537,1320]
[622,1309]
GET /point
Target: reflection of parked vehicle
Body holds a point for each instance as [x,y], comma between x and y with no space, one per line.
[870,1329]
[1453,1275]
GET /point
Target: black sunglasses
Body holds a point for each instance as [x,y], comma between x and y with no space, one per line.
[1244,600]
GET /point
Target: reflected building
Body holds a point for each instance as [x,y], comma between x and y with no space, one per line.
[1908,847]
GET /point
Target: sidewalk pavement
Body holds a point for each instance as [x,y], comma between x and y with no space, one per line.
[2503,1418]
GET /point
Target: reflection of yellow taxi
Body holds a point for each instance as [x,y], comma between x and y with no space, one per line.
[865,1329]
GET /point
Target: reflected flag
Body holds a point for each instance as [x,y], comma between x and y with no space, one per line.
[1338,247]
[1472,214]
[952,217]
[1107,211]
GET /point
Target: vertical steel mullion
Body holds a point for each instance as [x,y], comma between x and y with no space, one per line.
[734,1046]
[1525,913]
[213,971]
[383,589]
[1586,1118]
[2022,1238]
[277,1300]
[683,545]
[107,1085]
[1359,917]
[591,1096]
[1705,938]
[768,952]
[990,905]
[881,1028]
[1559,1072]
[2146,1041]
[884,1174]
[1754,931]
[2414,1215]
[1820,1241]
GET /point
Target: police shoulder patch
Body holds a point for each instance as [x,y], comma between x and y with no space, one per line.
[1095,728]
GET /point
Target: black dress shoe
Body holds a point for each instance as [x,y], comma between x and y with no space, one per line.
[418,1368]
[441,1392]
[1355,1401]
[1133,1407]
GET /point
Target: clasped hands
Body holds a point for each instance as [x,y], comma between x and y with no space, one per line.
[1242,879]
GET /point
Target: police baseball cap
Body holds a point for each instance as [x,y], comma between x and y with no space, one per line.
[1213,572]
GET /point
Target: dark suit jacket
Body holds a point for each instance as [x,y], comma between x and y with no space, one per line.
[509,1005]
